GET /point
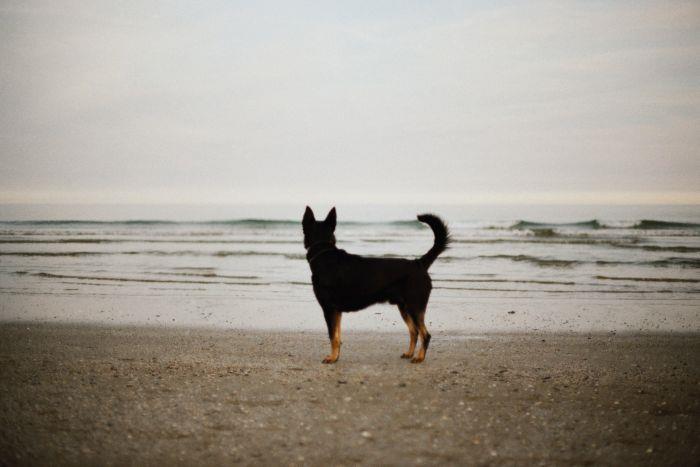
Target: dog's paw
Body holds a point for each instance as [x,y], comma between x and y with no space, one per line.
[329,359]
[406,355]
[416,360]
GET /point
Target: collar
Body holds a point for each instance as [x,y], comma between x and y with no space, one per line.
[319,253]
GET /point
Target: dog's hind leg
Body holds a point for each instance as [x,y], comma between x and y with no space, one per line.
[412,333]
[333,323]
[424,337]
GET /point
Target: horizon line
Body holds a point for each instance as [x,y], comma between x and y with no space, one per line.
[166,198]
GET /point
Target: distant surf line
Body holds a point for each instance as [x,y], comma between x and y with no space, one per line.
[553,262]
[592,224]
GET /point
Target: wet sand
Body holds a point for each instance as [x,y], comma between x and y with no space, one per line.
[156,396]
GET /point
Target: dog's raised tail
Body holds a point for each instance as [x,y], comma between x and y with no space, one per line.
[442,238]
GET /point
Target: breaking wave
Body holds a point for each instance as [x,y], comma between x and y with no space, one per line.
[595,224]
[660,225]
[527,225]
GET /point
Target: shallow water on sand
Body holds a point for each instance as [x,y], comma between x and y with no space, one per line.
[646,268]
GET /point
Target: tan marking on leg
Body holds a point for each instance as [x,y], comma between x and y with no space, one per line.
[335,341]
[424,339]
[412,334]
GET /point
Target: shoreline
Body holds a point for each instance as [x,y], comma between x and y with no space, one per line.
[321,333]
[151,395]
[492,315]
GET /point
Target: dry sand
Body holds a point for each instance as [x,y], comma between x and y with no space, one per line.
[155,396]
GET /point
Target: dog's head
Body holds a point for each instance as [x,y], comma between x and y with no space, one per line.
[318,231]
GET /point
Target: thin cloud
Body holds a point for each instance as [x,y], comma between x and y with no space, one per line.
[382,102]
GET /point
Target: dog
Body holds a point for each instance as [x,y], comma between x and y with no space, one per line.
[343,282]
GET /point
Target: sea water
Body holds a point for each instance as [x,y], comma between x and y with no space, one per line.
[500,273]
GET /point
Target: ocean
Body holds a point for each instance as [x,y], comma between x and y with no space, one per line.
[540,273]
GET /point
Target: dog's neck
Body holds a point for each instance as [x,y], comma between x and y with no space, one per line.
[317,249]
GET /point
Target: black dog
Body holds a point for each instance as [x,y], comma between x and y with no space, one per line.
[343,282]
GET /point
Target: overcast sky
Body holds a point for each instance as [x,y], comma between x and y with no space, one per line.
[332,102]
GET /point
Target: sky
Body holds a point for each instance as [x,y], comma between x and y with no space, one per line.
[350,102]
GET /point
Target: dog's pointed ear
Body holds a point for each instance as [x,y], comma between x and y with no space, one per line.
[309,219]
[331,219]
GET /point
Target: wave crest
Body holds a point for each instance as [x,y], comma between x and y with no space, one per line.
[528,225]
[652,224]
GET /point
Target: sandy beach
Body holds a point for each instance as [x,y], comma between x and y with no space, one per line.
[153,396]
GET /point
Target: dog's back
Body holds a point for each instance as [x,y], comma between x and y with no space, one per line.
[354,282]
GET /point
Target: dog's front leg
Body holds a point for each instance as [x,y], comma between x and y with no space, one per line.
[333,323]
